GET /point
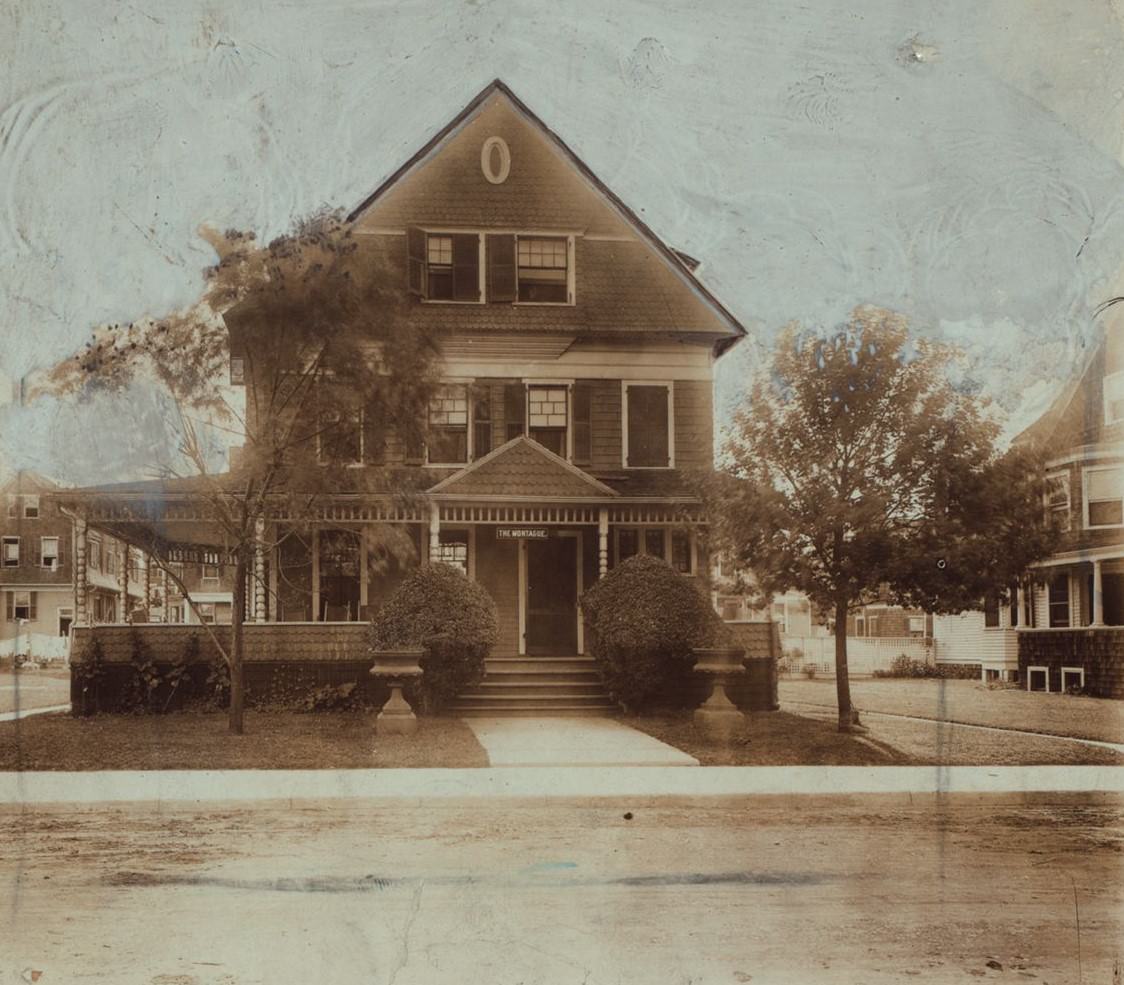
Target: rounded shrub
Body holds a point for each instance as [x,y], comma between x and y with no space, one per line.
[437,609]
[644,619]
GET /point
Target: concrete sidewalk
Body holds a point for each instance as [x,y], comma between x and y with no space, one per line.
[315,787]
[571,742]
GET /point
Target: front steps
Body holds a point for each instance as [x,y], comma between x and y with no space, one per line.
[536,687]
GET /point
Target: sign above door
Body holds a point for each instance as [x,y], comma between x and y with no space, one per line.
[522,533]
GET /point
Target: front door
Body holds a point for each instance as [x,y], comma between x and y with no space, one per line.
[552,596]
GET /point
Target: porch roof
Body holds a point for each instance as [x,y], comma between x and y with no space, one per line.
[523,469]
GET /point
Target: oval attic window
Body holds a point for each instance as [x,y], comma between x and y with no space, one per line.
[495,160]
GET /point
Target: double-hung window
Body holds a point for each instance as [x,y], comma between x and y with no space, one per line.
[20,605]
[49,552]
[1104,497]
[1114,398]
[548,416]
[210,574]
[31,507]
[93,555]
[1057,597]
[1057,497]
[11,552]
[648,427]
[543,269]
[447,434]
[669,544]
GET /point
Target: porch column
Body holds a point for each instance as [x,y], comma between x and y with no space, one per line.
[1020,603]
[434,532]
[80,584]
[316,574]
[259,570]
[602,542]
[1098,595]
[123,582]
[164,594]
[146,582]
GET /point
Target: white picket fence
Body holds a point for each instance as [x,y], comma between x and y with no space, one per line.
[39,647]
[865,654]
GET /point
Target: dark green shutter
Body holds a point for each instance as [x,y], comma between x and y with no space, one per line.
[514,409]
[501,268]
[583,431]
[415,258]
[466,267]
[10,598]
[31,614]
[647,427]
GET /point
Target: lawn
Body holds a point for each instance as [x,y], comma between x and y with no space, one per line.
[273,740]
[785,739]
[33,689]
[970,702]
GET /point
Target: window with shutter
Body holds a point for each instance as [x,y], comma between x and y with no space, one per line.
[501,268]
[514,409]
[648,426]
[543,269]
[11,552]
[582,417]
[466,267]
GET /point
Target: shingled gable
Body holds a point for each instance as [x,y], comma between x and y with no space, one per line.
[453,194]
[523,469]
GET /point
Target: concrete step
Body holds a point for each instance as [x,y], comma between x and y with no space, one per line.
[536,665]
[548,688]
[524,698]
[537,711]
[517,676]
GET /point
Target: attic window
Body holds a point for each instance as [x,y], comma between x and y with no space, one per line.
[31,507]
[444,266]
[495,160]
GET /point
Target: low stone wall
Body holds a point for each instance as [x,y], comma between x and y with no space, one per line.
[281,660]
[1100,652]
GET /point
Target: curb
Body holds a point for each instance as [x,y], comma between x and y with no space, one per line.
[188,787]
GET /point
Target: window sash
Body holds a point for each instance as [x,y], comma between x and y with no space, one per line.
[31,507]
[1057,595]
[447,431]
[11,558]
[49,552]
[542,270]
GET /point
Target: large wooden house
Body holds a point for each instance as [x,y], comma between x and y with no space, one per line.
[1065,628]
[577,355]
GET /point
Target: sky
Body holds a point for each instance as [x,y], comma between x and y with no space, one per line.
[958,161]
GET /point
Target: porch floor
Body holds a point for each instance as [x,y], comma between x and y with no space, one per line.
[571,742]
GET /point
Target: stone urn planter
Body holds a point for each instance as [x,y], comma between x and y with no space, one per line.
[718,713]
[397,667]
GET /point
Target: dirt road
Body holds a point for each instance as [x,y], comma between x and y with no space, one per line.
[754,890]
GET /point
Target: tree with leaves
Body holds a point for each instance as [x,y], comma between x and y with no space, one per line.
[319,331]
[858,471]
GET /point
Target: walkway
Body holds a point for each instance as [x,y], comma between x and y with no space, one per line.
[571,742]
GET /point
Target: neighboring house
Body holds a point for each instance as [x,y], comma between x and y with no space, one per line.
[1065,627]
[36,568]
[209,586]
[578,351]
[881,620]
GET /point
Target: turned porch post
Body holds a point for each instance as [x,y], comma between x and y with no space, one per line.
[259,571]
[146,583]
[123,582]
[434,532]
[1098,595]
[602,542]
[80,584]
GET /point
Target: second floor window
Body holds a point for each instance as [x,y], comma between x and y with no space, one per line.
[543,275]
[93,559]
[1104,493]
[11,552]
[547,416]
[447,434]
[1057,497]
[49,552]
[647,425]
[31,507]
[210,575]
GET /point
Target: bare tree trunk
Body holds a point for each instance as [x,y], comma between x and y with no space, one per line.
[237,688]
[848,716]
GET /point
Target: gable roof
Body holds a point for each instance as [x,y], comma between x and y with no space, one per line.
[679,264]
[27,481]
[523,469]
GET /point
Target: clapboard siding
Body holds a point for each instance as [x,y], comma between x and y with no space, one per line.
[963,639]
